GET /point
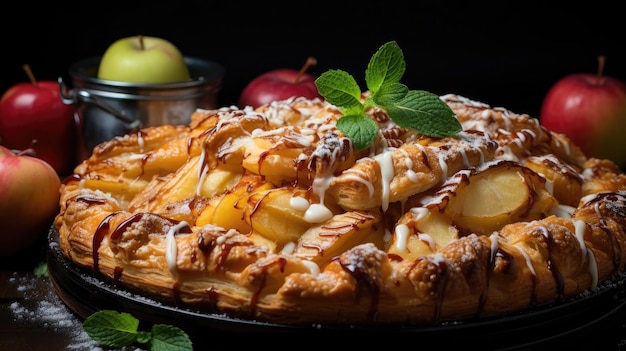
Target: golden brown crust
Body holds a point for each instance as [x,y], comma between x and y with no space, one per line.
[270,214]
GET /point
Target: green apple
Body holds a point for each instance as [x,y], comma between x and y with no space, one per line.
[143,59]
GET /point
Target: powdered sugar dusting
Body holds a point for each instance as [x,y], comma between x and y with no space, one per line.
[42,309]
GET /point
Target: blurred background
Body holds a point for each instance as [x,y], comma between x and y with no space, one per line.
[506,55]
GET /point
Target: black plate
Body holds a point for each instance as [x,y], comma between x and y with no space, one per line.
[85,293]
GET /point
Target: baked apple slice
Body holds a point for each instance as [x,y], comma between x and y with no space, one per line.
[189,181]
[565,180]
[270,156]
[484,201]
[271,215]
[226,210]
[420,232]
[323,242]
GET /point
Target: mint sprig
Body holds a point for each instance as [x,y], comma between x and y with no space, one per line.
[419,110]
[115,329]
[41,270]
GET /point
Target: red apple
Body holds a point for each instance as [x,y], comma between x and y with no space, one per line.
[280,84]
[30,199]
[34,111]
[590,109]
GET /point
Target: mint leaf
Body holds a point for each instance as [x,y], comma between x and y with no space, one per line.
[361,130]
[144,337]
[386,66]
[389,94]
[419,110]
[426,113]
[41,270]
[167,337]
[112,328]
[340,89]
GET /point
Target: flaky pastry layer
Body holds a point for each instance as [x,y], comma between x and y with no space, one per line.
[272,215]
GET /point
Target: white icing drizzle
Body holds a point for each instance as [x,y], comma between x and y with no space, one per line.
[505,153]
[567,149]
[411,175]
[463,99]
[170,247]
[562,211]
[427,239]
[385,162]
[317,213]
[419,212]
[587,174]
[494,244]
[222,238]
[402,231]
[593,269]
[203,170]
[289,248]
[473,125]
[519,139]
[549,185]
[136,157]
[588,198]
[596,208]
[140,141]
[505,117]
[466,161]
[409,165]
[580,227]
[442,164]
[213,227]
[544,231]
[299,203]
[388,236]
[531,132]
[402,236]
[529,262]
[438,258]
[482,156]
[312,266]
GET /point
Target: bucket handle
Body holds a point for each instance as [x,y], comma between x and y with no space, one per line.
[71,97]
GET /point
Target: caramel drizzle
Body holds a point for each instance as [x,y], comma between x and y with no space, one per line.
[101,231]
[363,280]
[254,300]
[104,227]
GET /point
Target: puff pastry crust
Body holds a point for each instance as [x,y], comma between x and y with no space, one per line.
[272,215]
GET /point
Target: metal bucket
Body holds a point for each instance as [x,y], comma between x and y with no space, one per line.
[106,109]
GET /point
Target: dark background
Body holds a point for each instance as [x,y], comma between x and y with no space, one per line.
[505,55]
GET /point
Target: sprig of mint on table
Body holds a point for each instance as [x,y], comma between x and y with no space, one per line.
[419,110]
[119,329]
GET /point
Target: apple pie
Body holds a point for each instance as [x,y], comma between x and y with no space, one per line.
[271,214]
